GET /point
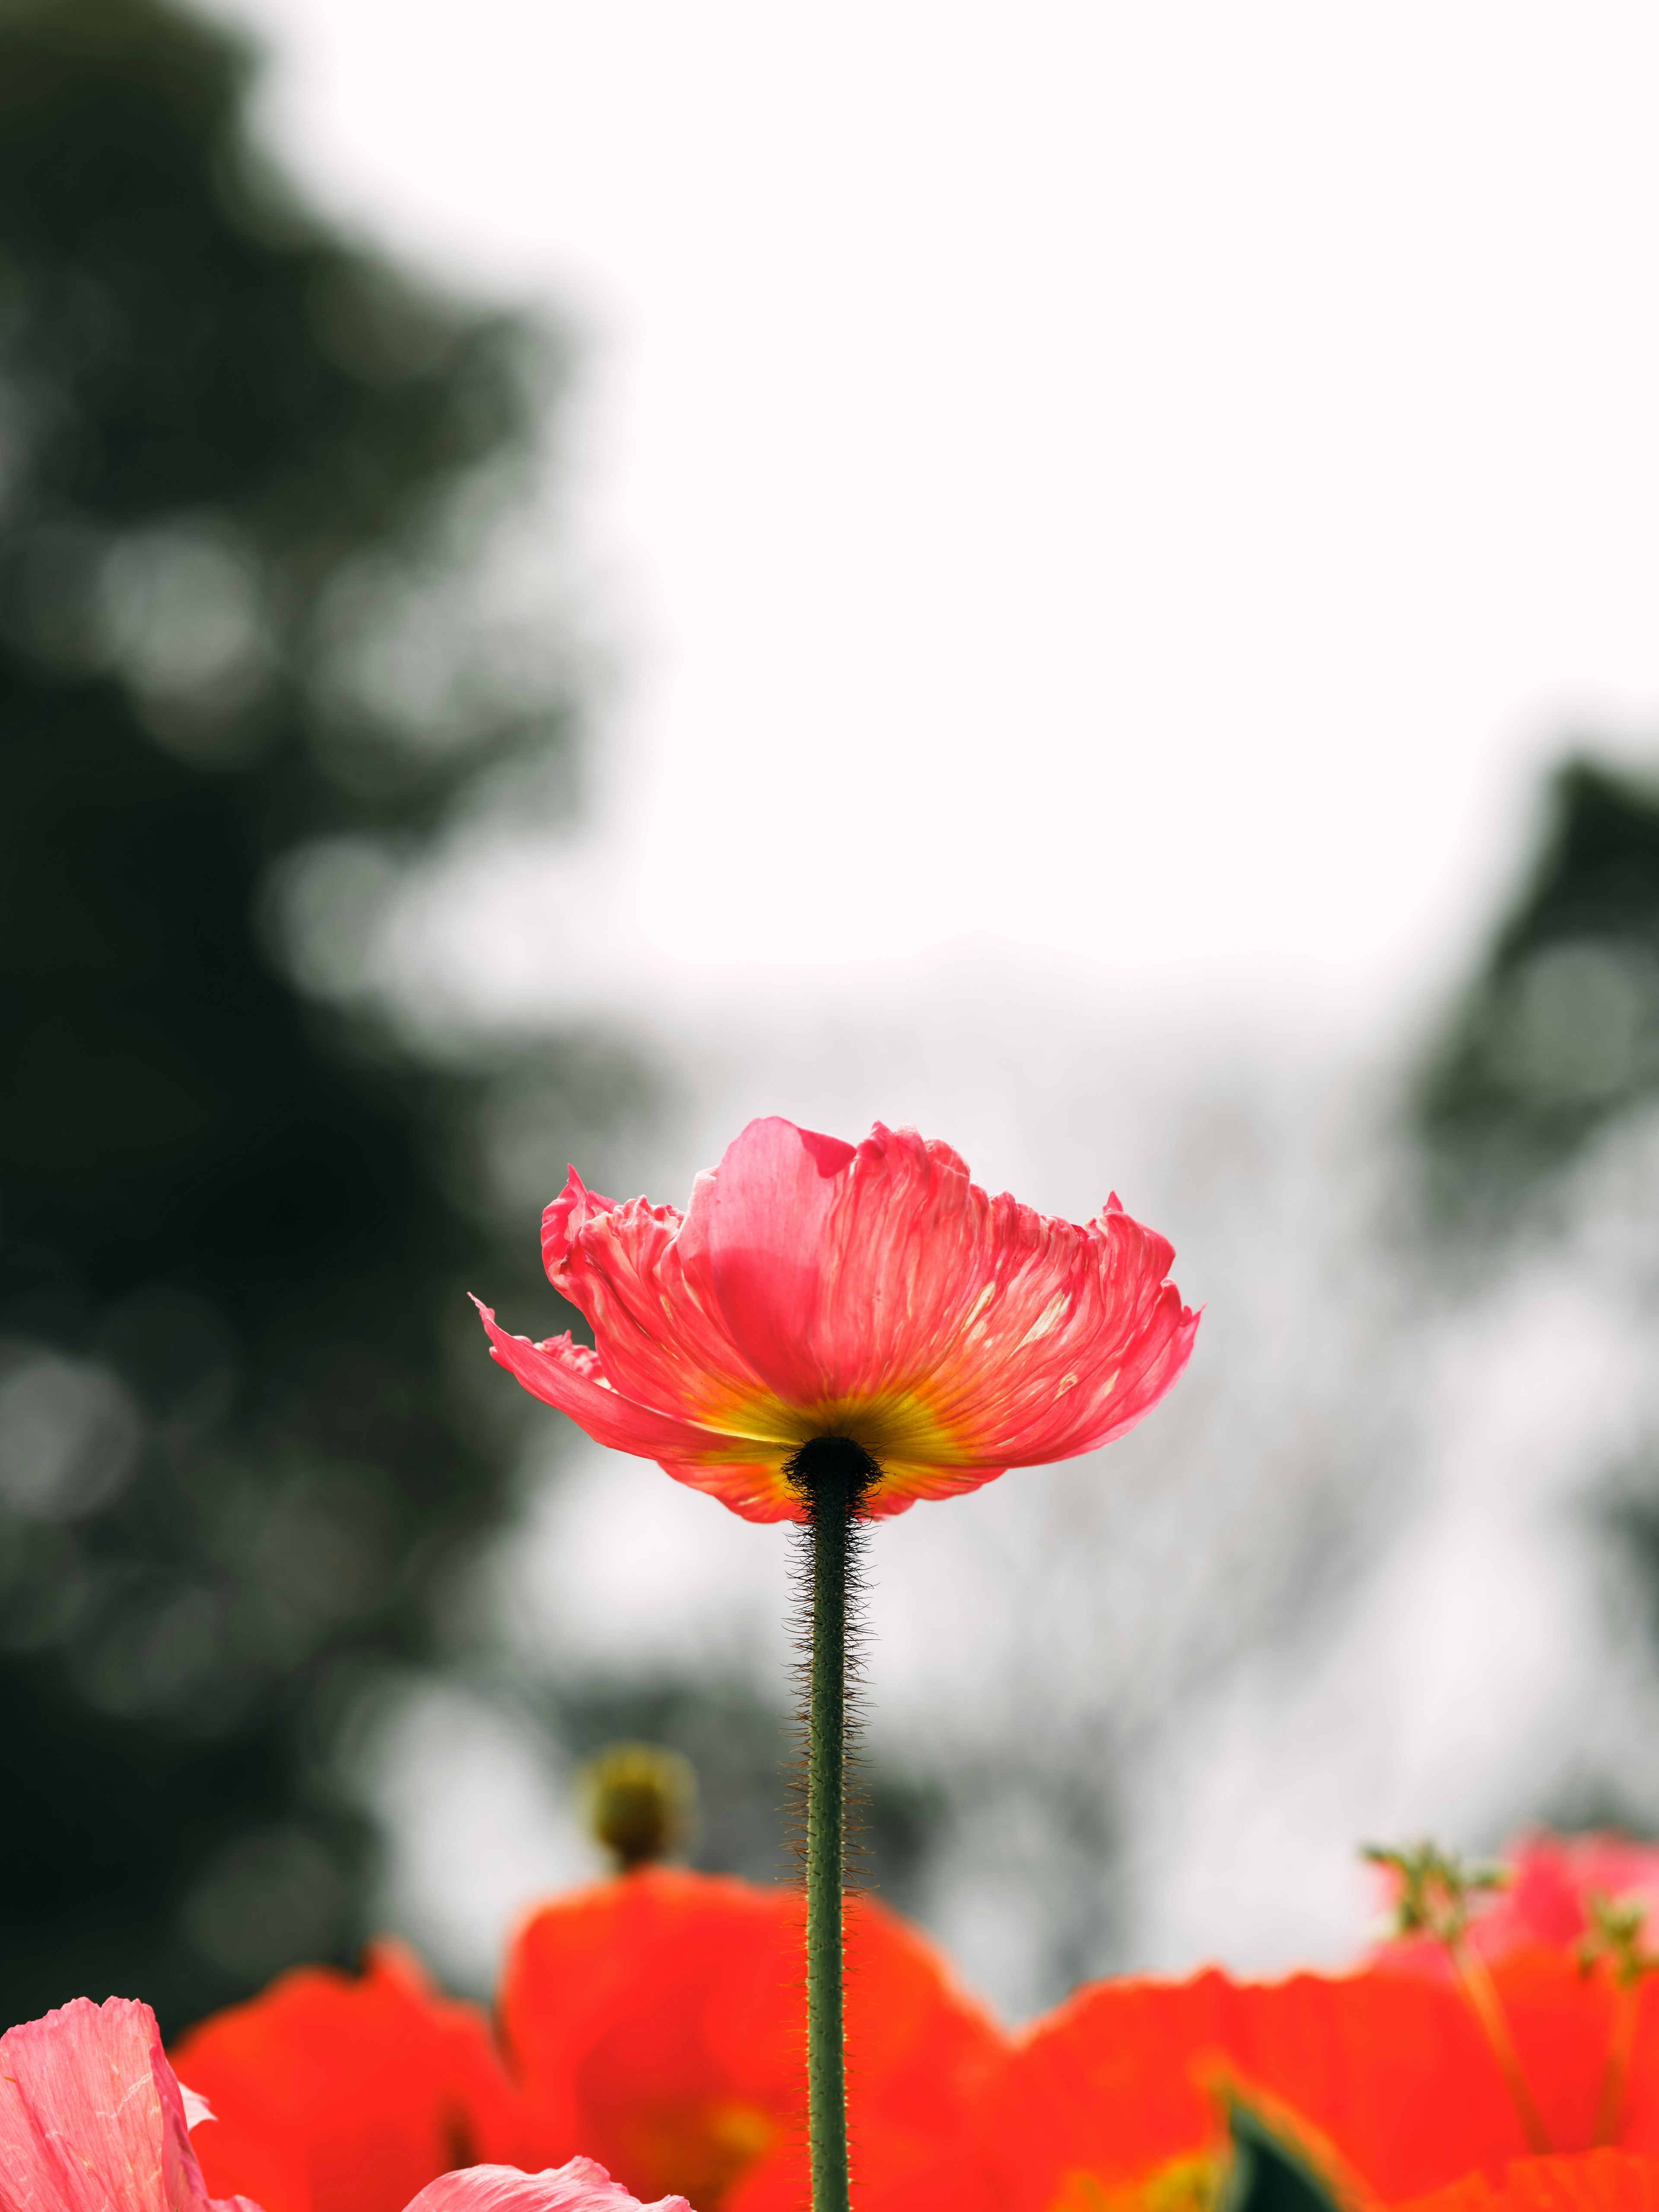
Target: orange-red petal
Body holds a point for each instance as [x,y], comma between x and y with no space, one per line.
[335,2093]
[665,2011]
[1592,2181]
[1390,2069]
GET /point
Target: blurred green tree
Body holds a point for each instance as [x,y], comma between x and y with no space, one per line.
[246,1429]
[1560,1030]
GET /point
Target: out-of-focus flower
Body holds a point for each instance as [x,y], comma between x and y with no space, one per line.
[1589,1900]
[641,1801]
[1263,2157]
[1555,1884]
[1436,1894]
[336,2093]
[661,2018]
[1597,2181]
[814,1288]
[1391,2071]
[92,2118]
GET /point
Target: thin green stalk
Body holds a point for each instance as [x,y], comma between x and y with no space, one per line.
[826,1846]
[833,1476]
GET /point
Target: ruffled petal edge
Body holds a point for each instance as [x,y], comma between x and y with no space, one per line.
[581,2186]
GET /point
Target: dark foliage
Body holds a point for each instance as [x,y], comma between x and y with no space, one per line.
[244,1429]
[1561,1028]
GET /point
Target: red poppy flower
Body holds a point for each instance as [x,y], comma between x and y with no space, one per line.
[661,2018]
[815,1288]
[341,2094]
[1391,2070]
[94,2119]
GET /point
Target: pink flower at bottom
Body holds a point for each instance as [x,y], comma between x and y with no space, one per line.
[816,1289]
[583,2186]
[1551,1887]
[1553,1882]
[94,2119]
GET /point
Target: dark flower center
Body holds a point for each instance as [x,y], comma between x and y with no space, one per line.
[832,1467]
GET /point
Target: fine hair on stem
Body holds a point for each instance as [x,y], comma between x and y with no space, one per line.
[832,1476]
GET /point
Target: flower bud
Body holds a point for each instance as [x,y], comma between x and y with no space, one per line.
[639,1801]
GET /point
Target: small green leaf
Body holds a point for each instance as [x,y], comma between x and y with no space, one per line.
[1269,2173]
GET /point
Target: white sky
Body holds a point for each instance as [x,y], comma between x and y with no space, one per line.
[1140,487]
[1126,490]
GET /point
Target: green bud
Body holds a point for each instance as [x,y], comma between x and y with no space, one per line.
[640,1802]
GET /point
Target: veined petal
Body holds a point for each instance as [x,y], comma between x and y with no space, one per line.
[814,1288]
[851,1279]
[91,2116]
[755,1489]
[840,1271]
[564,1219]
[622,1267]
[572,1378]
[1082,1334]
[583,2186]
[744,1473]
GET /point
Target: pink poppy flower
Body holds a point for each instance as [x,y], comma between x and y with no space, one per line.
[1547,1890]
[1582,1907]
[1555,1882]
[815,1288]
[94,2119]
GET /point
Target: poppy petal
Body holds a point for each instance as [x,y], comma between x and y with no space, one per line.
[661,1344]
[340,2092]
[572,1378]
[580,2186]
[1593,2181]
[815,1288]
[666,2008]
[881,1288]
[1078,1335]
[1390,2069]
[91,2115]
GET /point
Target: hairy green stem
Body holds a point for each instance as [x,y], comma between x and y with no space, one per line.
[826,1845]
[832,1475]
